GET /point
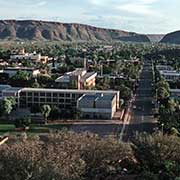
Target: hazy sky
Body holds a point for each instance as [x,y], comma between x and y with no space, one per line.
[143,16]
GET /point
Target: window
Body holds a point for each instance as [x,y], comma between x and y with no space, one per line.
[61,95]
[67,95]
[42,94]
[36,94]
[48,94]
[61,100]
[36,99]
[48,99]
[42,100]
[29,98]
[55,100]
[68,100]
[55,94]
[30,94]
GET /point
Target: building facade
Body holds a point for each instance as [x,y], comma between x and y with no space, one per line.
[105,105]
[11,71]
[78,79]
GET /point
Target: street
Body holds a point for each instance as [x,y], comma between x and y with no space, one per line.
[142,119]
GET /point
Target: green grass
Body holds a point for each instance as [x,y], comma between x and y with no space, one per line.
[9,129]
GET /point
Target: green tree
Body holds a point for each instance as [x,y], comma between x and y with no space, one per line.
[45,110]
[7,105]
[158,154]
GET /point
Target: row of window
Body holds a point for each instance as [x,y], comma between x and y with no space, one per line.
[49,94]
[47,100]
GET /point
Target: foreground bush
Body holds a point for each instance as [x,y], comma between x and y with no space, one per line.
[158,155]
[63,156]
[70,156]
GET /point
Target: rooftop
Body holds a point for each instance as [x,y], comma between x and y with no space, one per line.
[97,97]
[67,90]
[170,73]
[20,68]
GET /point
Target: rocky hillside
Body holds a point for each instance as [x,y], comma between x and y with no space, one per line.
[41,30]
[172,38]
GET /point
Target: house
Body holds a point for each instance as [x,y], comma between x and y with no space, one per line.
[78,79]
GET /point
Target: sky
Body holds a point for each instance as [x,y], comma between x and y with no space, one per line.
[142,16]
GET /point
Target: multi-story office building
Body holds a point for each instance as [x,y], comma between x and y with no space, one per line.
[107,102]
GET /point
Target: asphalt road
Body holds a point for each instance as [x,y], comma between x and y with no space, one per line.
[142,119]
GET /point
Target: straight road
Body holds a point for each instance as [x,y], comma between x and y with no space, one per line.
[142,119]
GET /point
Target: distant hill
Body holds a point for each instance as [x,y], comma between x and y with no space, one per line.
[172,38]
[42,30]
[155,37]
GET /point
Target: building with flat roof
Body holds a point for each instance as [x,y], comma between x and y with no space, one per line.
[22,55]
[78,79]
[170,75]
[164,68]
[107,102]
[11,71]
[175,94]
[97,106]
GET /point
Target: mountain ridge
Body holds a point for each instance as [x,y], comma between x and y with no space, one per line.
[172,38]
[57,31]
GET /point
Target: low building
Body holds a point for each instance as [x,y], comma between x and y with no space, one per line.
[97,106]
[170,75]
[8,91]
[78,79]
[164,68]
[22,55]
[107,102]
[11,71]
[175,94]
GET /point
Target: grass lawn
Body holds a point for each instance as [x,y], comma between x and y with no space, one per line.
[9,129]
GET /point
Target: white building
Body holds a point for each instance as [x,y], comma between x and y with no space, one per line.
[164,68]
[104,105]
[11,71]
[175,93]
[97,106]
[36,57]
[78,79]
[170,75]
